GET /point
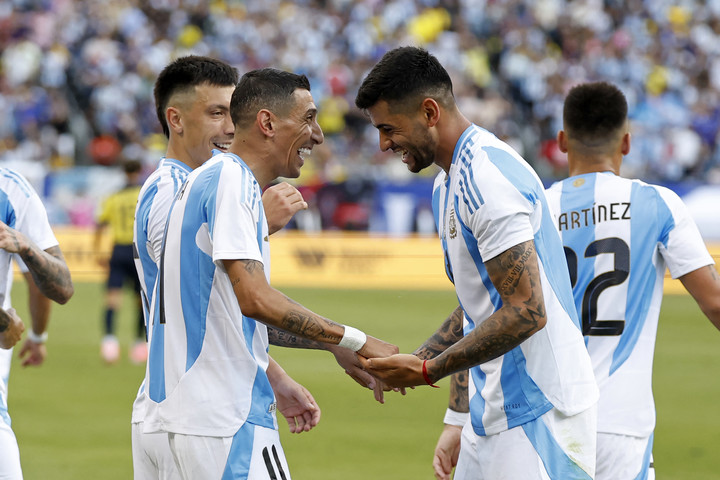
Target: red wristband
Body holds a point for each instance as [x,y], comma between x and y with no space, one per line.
[425,375]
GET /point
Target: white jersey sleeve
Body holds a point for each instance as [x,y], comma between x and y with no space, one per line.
[684,250]
[238,199]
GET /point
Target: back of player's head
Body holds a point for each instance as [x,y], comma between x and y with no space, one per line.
[403,78]
[185,74]
[132,166]
[265,88]
[595,113]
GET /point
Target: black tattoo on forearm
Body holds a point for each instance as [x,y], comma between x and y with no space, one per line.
[449,333]
[515,275]
[49,272]
[281,338]
[459,400]
[307,326]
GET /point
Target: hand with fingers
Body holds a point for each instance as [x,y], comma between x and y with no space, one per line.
[281,202]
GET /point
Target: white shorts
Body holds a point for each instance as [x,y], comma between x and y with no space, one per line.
[254,453]
[9,454]
[622,457]
[152,458]
[552,447]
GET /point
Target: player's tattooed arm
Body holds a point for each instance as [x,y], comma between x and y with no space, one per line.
[459,400]
[516,276]
[281,338]
[258,300]
[48,268]
[277,310]
[50,272]
[450,332]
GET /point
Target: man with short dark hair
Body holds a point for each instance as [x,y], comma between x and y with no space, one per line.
[532,392]
[620,235]
[211,384]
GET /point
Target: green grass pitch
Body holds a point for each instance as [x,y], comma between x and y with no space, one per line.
[72,415]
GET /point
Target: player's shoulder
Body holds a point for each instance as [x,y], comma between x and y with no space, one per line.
[13,183]
[659,192]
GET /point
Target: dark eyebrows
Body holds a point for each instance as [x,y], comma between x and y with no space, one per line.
[219,106]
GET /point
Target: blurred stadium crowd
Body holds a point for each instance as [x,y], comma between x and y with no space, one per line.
[76,76]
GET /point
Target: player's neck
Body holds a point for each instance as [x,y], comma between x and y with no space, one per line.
[593,164]
[181,155]
[451,130]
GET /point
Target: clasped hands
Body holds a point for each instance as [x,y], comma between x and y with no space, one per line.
[379,366]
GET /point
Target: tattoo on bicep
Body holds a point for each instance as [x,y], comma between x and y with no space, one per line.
[251,266]
[514,261]
[515,273]
[714,272]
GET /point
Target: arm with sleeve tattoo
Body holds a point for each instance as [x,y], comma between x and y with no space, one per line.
[48,268]
[50,272]
[344,357]
[449,333]
[516,276]
[259,300]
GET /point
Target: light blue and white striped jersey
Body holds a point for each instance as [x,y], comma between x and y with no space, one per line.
[491,201]
[22,210]
[619,235]
[207,362]
[153,206]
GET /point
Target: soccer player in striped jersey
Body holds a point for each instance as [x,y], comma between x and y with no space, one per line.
[532,392]
[193,98]
[299,416]
[25,234]
[619,236]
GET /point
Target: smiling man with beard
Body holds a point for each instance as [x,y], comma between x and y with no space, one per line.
[532,394]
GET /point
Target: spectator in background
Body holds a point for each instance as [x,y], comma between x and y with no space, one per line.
[118,213]
[102,59]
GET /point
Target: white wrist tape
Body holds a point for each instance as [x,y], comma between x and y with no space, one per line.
[353,339]
[458,419]
[35,338]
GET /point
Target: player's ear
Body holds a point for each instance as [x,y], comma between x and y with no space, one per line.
[562,141]
[266,122]
[431,111]
[625,147]
[174,120]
